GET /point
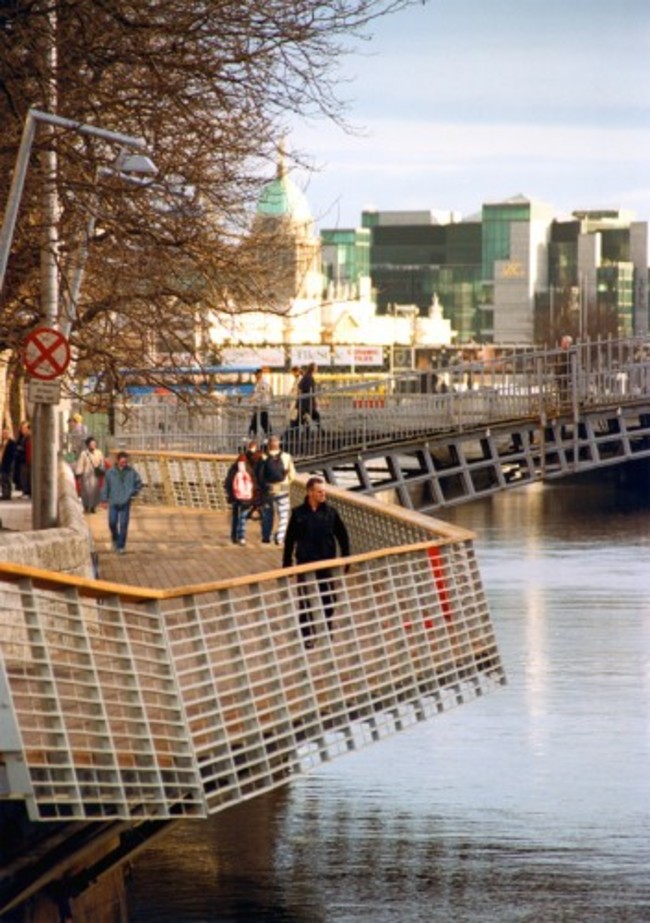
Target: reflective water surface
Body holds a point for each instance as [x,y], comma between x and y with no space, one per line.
[532,804]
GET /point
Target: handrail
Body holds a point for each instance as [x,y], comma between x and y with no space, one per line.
[99,589]
[133,702]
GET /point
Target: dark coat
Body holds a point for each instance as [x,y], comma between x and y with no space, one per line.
[307,407]
[8,457]
[314,534]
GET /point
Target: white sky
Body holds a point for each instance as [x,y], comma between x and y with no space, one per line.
[460,102]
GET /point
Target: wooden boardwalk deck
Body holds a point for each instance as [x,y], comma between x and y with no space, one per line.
[169,546]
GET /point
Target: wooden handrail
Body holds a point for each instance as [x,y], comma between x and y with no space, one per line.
[99,589]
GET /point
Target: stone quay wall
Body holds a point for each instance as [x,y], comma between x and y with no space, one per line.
[66,549]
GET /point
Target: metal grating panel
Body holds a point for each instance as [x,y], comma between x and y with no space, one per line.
[408,639]
[183,705]
[95,700]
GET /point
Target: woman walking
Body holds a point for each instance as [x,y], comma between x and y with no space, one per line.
[89,471]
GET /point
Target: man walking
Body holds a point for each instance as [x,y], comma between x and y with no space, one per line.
[314,530]
[274,473]
[262,397]
[121,484]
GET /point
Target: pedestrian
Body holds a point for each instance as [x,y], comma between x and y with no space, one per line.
[563,369]
[294,394]
[262,397]
[240,491]
[121,484]
[77,435]
[254,455]
[7,457]
[291,435]
[23,459]
[314,530]
[89,470]
[274,473]
[308,413]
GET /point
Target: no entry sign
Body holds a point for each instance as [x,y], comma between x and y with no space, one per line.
[46,353]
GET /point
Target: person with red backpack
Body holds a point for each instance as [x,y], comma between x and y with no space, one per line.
[240,489]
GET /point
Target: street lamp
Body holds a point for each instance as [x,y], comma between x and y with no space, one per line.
[45,442]
[135,169]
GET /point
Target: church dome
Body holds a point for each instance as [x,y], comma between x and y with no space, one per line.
[281,198]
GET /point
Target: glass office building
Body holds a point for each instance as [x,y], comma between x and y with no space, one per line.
[597,275]
[516,273]
[345,262]
[412,264]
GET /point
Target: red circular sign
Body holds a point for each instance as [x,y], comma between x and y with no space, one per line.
[46,353]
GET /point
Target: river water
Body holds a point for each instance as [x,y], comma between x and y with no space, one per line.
[531,804]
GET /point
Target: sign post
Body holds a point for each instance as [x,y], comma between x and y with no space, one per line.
[46,356]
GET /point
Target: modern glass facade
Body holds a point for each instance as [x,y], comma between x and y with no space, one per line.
[496,232]
[615,300]
[411,264]
[345,257]
[459,289]
[606,307]
[516,272]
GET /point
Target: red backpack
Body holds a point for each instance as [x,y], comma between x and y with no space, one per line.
[242,486]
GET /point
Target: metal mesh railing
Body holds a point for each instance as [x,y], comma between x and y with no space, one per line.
[95,706]
[128,702]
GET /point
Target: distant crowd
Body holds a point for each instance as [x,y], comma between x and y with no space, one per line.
[16,462]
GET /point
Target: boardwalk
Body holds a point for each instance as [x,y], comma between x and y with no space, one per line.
[167,546]
[172,547]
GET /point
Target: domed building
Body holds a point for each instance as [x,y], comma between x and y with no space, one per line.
[290,246]
[281,200]
[298,304]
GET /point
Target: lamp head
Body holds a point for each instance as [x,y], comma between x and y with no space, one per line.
[135,164]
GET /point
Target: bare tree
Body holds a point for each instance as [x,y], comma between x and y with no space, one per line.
[210,85]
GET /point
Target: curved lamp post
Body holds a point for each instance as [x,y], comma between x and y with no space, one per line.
[45,441]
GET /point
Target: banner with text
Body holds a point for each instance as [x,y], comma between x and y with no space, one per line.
[358,355]
[304,355]
[253,356]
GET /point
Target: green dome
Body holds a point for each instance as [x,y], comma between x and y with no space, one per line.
[282,199]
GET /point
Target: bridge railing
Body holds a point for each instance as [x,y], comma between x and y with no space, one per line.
[130,702]
[525,384]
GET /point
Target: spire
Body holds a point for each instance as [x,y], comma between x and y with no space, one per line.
[282,163]
[281,198]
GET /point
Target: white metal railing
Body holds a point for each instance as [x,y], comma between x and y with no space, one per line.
[526,384]
[127,702]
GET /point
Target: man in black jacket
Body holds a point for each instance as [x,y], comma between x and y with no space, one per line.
[314,529]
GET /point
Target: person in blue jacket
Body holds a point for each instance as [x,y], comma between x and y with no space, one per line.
[121,484]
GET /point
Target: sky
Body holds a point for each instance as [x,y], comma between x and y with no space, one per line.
[460,102]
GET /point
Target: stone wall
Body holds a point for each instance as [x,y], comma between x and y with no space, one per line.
[67,549]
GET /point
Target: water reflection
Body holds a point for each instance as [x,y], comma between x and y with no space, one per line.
[530,805]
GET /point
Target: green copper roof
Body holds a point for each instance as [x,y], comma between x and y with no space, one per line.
[282,199]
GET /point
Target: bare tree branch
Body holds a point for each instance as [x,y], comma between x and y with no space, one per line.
[209,84]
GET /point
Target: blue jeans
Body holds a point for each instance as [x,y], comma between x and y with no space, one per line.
[118,523]
[238,520]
